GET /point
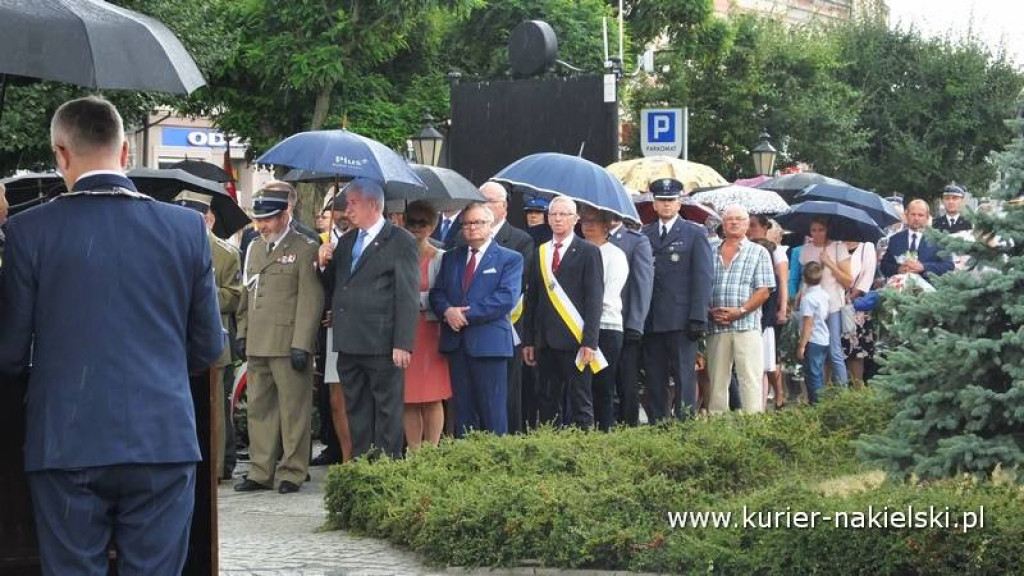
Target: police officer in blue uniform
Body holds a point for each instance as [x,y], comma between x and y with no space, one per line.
[683,277]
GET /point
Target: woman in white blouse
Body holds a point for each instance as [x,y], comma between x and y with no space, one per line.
[836,278]
[596,225]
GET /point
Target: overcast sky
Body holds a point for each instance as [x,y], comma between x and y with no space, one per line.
[994,21]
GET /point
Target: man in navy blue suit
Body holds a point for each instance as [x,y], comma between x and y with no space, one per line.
[910,252]
[476,289]
[108,301]
[681,297]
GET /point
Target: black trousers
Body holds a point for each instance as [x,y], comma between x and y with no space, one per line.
[564,389]
[374,400]
[670,354]
[515,391]
[610,343]
[530,401]
[627,385]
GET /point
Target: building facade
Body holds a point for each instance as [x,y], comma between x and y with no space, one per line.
[167,139]
[802,11]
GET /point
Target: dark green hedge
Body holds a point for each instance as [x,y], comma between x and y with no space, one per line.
[574,499]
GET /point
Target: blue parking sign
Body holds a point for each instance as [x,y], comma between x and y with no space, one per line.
[661,132]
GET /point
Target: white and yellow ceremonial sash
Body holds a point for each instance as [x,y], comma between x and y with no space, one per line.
[516,312]
[566,310]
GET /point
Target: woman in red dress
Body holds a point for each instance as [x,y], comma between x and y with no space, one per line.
[427,381]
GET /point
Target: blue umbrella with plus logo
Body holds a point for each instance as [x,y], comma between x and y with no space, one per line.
[345,155]
[554,174]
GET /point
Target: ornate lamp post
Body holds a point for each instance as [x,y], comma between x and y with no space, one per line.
[764,156]
[427,144]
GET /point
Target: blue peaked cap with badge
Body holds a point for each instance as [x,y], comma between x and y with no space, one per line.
[535,203]
[953,190]
[666,188]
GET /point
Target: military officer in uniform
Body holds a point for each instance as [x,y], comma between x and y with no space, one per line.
[681,296]
[227,274]
[953,221]
[278,318]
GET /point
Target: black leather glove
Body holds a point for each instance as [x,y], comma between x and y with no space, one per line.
[300,360]
[240,348]
[695,330]
[632,335]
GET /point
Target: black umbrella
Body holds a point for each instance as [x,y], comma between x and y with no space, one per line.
[165,184]
[845,223]
[879,209]
[790,184]
[32,188]
[446,189]
[204,170]
[93,44]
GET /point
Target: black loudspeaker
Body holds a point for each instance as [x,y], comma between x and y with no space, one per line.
[532,47]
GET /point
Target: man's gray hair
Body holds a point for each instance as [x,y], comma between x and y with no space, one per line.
[87,125]
[494,187]
[736,208]
[563,200]
[368,189]
[488,214]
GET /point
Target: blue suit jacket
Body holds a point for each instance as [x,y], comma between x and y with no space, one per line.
[927,254]
[492,294]
[112,300]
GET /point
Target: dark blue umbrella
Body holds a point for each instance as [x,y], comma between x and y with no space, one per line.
[342,154]
[845,223]
[879,209]
[554,174]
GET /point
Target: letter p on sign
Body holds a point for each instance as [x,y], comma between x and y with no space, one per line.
[661,132]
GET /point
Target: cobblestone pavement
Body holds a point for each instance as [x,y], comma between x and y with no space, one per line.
[268,534]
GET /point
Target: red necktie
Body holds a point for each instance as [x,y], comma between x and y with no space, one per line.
[556,260]
[467,278]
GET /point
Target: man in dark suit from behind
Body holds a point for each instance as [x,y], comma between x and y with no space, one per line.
[681,297]
[573,265]
[108,331]
[375,275]
[910,252]
[508,236]
[636,302]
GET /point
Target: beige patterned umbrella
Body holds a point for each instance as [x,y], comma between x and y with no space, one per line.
[637,174]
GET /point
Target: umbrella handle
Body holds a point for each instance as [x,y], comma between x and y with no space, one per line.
[3,94]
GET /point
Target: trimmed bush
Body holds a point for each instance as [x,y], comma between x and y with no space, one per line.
[575,499]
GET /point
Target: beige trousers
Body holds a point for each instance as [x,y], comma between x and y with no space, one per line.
[744,350]
[279,401]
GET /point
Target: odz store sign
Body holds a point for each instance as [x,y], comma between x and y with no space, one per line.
[198,138]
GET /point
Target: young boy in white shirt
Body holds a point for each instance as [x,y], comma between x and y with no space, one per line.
[813,349]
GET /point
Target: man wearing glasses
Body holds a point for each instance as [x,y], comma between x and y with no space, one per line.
[563,320]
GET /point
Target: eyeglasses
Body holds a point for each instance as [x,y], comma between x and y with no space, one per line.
[474,223]
[561,215]
[416,222]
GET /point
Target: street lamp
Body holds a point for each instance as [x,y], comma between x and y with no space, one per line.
[764,156]
[427,144]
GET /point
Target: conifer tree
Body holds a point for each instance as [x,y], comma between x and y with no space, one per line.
[957,376]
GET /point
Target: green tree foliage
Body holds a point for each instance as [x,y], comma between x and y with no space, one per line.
[957,380]
[933,108]
[769,76]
